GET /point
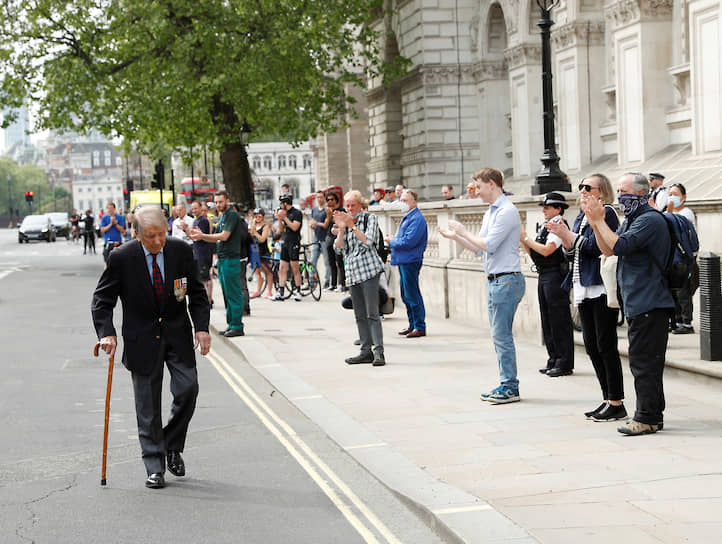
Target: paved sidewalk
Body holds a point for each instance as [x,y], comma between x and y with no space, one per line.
[524,472]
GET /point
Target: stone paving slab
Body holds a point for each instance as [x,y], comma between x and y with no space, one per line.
[523,472]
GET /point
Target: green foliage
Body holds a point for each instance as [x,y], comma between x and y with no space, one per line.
[15,180]
[174,73]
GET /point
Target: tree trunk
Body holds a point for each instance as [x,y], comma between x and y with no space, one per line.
[237,175]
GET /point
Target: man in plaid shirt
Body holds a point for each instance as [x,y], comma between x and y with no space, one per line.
[357,234]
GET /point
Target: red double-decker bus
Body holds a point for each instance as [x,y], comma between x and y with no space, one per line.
[197,189]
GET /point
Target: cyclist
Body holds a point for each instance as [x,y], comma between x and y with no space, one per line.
[292,219]
[74,225]
[260,230]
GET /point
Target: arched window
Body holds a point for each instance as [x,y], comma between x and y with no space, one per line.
[267,162]
[281,161]
[497,30]
[256,162]
[306,162]
[292,162]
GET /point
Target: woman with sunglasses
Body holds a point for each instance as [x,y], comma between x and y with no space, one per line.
[599,321]
[260,230]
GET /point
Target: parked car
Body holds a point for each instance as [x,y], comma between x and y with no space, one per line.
[36,227]
[61,222]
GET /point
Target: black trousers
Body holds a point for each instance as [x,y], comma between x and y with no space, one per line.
[683,304]
[556,320]
[156,440]
[647,348]
[599,330]
[338,273]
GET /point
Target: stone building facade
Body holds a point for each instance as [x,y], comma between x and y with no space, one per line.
[637,85]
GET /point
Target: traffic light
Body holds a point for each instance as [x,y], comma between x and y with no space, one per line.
[129,185]
[158,176]
[29,195]
[126,198]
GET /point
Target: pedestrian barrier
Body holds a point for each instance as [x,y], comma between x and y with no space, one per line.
[710,311]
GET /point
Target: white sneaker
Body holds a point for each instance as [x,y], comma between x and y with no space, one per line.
[297,296]
[276,297]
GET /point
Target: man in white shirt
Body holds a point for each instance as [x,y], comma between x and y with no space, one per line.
[182,225]
[658,195]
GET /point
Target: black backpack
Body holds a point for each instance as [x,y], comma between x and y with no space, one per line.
[380,244]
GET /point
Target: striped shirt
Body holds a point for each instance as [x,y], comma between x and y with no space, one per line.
[361,261]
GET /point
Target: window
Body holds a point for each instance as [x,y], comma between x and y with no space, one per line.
[80,190]
[118,161]
[107,158]
[96,158]
[100,204]
[267,162]
[292,162]
[81,204]
[306,162]
[256,162]
[281,161]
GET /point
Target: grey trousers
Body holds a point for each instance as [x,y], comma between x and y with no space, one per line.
[156,440]
[365,299]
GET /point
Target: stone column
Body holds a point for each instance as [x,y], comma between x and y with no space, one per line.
[642,48]
[525,82]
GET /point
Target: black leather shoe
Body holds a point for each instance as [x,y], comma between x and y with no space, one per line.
[230,333]
[223,332]
[361,358]
[176,466]
[556,372]
[379,360]
[545,370]
[155,481]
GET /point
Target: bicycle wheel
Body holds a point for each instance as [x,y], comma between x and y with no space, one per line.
[256,285]
[313,282]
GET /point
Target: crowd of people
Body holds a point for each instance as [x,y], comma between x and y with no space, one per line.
[181,253]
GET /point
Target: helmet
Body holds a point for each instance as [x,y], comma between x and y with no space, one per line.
[286,197]
[258,211]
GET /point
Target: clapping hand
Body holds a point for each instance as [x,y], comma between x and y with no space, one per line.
[594,210]
[447,233]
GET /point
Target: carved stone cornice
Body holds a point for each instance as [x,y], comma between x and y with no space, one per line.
[441,74]
[578,33]
[490,69]
[624,12]
[523,54]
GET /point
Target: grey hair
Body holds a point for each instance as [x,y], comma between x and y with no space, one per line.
[148,215]
[639,182]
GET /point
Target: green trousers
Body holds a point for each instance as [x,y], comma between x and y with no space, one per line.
[229,275]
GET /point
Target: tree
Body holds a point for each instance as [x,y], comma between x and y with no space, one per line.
[15,180]
[170,74]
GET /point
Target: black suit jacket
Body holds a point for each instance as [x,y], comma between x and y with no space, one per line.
[145,325]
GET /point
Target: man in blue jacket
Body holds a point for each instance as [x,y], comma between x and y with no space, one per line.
[407,252]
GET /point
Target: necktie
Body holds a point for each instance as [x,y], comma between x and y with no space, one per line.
[157,282]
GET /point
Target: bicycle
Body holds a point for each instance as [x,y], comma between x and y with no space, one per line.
[310,281]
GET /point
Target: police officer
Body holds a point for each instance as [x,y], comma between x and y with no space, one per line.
[547,253]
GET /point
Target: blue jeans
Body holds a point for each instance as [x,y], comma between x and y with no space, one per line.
[411,295]
[505,293]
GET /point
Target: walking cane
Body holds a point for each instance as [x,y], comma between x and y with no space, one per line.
[107,412]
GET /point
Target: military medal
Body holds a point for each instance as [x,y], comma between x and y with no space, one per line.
[180,286]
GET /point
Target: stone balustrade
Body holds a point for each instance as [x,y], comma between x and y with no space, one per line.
[453,281]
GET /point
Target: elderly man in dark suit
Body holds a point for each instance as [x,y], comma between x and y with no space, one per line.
[152,276]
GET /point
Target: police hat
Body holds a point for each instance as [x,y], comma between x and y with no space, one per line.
[554,199]
[654,175]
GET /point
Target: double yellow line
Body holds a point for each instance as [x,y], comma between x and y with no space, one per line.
[326,479]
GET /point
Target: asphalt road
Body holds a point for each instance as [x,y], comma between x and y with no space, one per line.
[258,470]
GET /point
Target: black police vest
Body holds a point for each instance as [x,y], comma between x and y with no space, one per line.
[555,261]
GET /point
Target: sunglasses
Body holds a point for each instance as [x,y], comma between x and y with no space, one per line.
[586,187]
[330,200]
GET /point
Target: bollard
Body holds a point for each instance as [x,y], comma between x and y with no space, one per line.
[710,311]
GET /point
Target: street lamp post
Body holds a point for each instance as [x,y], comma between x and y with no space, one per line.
[550,177]
[246,168]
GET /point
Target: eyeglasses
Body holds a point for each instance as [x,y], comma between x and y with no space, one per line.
[586,187]
[330,200]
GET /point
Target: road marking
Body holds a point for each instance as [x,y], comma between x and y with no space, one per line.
[363,446]
[6,273]
[309,397]
[310,462]
[461,509]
